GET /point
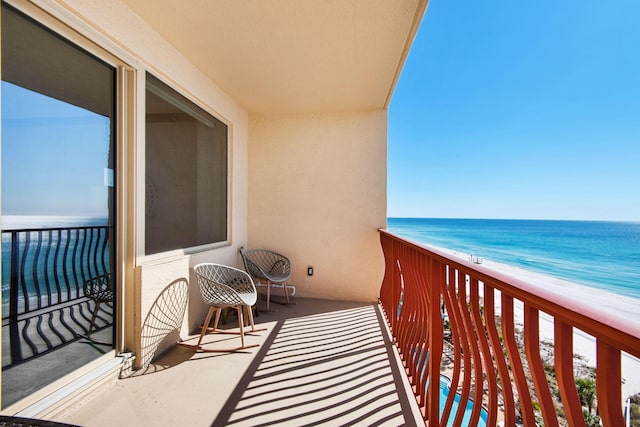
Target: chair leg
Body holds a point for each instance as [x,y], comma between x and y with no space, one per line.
[241,323]
[286,293]
[253,326]
[93,317]
[205,326]
[268,293]
[217,321]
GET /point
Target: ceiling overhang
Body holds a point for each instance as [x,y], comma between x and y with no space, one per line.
[286,56]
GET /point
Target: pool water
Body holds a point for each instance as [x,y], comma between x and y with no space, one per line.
[444,392]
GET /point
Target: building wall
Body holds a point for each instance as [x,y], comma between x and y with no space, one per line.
[317,193]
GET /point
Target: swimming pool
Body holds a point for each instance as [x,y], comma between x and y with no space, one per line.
[445,383]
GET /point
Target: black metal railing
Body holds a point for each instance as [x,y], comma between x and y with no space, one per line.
[44,269]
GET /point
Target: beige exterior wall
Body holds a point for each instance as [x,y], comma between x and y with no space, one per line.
[317,193]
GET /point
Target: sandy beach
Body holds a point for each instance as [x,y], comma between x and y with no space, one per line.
[616,305]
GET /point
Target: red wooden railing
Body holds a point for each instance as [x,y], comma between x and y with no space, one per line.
[492,362]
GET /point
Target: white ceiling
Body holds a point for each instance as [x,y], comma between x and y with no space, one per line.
[283,56]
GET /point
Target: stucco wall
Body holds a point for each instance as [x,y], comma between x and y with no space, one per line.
[317,193]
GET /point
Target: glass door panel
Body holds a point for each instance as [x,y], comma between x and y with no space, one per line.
[58,121]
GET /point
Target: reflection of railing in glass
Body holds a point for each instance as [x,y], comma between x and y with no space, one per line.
[44,269]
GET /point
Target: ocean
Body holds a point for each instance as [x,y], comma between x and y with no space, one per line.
[598,254]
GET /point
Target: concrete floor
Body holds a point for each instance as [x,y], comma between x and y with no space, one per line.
[318,363]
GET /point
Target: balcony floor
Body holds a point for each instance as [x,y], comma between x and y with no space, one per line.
[319,362]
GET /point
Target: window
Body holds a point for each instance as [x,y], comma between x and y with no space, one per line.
[186,172]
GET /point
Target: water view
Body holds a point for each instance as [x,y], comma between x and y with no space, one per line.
[599,254]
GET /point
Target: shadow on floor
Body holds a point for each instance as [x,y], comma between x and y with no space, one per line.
[322,367]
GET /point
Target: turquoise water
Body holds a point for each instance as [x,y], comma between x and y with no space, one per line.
[598,254]
[444,392]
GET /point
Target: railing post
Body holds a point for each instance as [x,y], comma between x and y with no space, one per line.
[608,375]
[14,332]
[433,281]
[563,354]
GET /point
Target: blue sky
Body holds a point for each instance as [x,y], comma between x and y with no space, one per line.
[54,156]
[509,109]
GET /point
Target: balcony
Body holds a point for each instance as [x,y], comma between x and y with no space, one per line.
[334,362]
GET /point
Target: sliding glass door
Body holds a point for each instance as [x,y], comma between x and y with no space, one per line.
[58,130]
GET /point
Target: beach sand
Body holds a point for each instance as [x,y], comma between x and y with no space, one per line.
[619,306]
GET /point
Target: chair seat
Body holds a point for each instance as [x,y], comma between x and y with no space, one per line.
[248,298]
[278,278]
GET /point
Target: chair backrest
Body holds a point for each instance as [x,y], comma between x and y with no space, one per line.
[261,263]
[222,285]
[99,288]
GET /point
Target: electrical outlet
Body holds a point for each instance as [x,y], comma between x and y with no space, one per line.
[309,271]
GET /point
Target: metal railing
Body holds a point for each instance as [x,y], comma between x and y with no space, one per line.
[45,269]
[426,293]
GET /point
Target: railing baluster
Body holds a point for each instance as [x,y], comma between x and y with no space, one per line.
[47,282]
[485,354]
[608,390]
[475,368]
[499,355]
[563,355]
[492,385]
[56,269]
[458,308]
[14,331]
[95,242]
[532,349]
[23,281]
[423,353]
[403,319]
[75,248]
[449,298]
[433,284]
[34,271]
[84,258]
[105,250]
[515,361]
[65,262]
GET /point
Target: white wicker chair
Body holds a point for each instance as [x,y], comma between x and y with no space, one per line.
[224,287]
[269,269]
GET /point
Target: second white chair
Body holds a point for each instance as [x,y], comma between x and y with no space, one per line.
[269,269]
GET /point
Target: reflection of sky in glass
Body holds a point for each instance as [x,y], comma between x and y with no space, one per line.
[53,156]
